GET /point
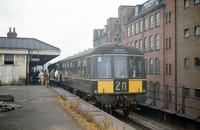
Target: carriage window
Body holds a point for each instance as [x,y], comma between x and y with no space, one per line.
[120,65]
[104,67]
[135,67]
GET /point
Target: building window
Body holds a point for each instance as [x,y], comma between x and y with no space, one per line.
[151,43]
[136,28]
[115,39]
[151,90]
[197,93]
[128,31]
[8,59]
[197,61]
[145,45]
[157,19]
[146,24]
[170,17]
[131,43]
[141,46]
[141,26]
[187,33]
[197,30]
[119,27]
[186,92]
[157,67]
[166,17]
[157,42]
[151,22]
[132,29]
[146,66]
[170,43]
[196,2]
[136,44]
[166,44]
[170,69]
[157,85]
[136,10]
[166,69]
[150,66]
[186,62]
[186,3]
[115,26]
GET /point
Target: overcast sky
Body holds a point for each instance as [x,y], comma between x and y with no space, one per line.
[66,24]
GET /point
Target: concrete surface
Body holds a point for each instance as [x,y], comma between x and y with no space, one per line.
[39,110]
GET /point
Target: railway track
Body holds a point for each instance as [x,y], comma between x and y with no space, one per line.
[128,120]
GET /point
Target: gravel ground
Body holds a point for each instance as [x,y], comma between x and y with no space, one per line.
[39,110]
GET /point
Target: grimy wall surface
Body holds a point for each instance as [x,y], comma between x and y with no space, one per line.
[9,73]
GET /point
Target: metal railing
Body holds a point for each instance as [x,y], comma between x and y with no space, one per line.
[174,95]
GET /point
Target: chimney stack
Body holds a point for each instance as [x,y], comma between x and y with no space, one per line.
[11,34]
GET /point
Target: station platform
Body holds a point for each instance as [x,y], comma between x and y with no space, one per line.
[40,110]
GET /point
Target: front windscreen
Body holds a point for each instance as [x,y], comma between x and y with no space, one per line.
[104,67]
[120,67]
[136,67]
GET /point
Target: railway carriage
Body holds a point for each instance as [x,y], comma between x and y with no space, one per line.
[111,75]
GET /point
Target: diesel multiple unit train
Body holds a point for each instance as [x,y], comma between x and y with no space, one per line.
[111,76]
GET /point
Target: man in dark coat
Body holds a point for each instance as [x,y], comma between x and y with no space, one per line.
[34,75]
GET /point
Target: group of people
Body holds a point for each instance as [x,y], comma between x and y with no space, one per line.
[46,76]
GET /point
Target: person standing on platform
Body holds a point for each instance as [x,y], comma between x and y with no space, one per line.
[41,76]
[56,77]
[34,75]
[46,77]
[52,77]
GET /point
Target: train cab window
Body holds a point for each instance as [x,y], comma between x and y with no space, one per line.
[135,67]
[104,67]
[120,67]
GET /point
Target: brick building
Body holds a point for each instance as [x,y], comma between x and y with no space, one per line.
[188,52]
[110,33]
[151,28]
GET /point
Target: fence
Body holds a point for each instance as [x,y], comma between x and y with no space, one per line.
[182,98]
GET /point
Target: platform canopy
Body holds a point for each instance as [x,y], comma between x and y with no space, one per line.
[39,52]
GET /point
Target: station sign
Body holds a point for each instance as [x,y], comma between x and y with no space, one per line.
[35,59]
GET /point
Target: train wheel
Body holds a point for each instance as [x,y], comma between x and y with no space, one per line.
[126,111]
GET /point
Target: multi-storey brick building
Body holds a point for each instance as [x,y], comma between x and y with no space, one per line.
[188,52]
[151,28]
[110,33]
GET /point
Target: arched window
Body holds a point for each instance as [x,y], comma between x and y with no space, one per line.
[151,43]
[151,89]
[145,45]
[136,44]
[146,66]
[157,66]
[157,41]
[151,66]
[141,46]
[157,84]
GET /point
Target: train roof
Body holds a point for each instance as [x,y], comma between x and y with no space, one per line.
[107,48]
